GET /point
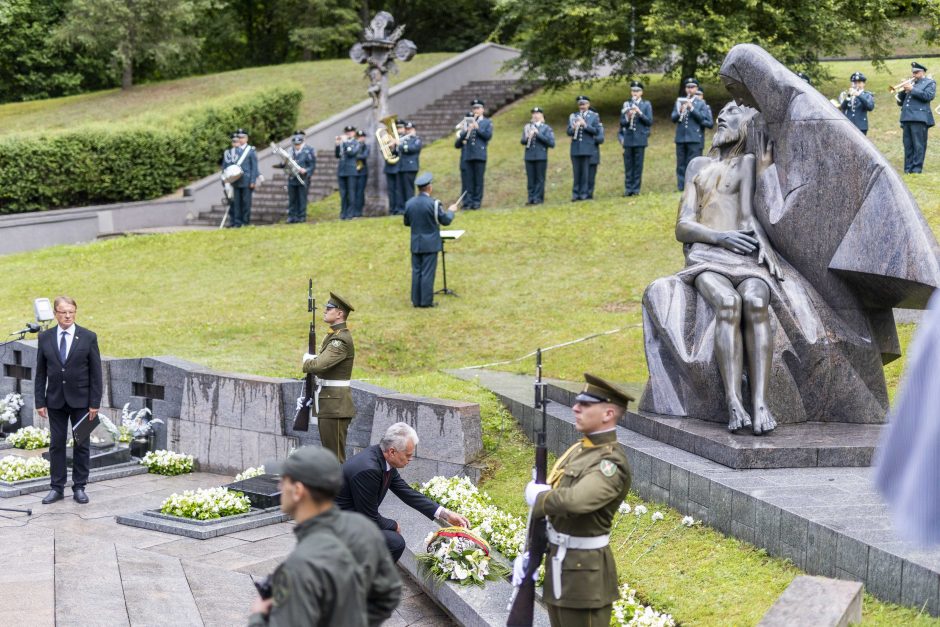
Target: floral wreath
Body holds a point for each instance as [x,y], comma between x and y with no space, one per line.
[457,532]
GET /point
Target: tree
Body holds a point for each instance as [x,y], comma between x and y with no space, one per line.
[326,28]
[133,32]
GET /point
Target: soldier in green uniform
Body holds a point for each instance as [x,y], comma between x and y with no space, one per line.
[585,487]
[320,582]
[332,401]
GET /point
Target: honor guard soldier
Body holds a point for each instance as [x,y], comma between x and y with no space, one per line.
[537,137]
[473,141]
[395,206]
[333,366]
[244,187]
[362,173]
[636,118]
[425,215]
[585,488]
[595,158]
[856,102]
[320,583]
[410,151]
[347,151]
[583,127]
[914,96]
[691,116]
[304,156]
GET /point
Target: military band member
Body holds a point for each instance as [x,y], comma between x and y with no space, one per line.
[244,187]
[583,127]
[537,137]
[916,116]
[464,177]
[410,151]
[230,157]
[691,116]
[304,156]
[333,365]
[473,142]
[595,158]
[585,488]
[425,215]
[395,205]
[347,151]
[856,102]
[362,173]
[636,118]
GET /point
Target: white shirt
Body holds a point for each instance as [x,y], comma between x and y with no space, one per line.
[69,334]
[440,508]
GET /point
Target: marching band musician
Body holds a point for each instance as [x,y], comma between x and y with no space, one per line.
[304,156]
[583,127]
[459,144]
[243,188]
[636,117]
[472,142]
[410,151]
[596,157]
[537,137]
[230,157]
[857,102]
[395,205]
[692,116]
[914,98]
[347,149]
[362,173]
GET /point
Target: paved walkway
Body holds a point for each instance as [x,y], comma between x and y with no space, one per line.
[71,564]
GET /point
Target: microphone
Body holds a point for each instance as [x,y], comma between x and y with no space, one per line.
[31,327]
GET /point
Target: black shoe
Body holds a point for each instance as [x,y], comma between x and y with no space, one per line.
[79,495]
[52,497]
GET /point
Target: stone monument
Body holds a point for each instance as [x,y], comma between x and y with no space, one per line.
[381,46]
[796,254]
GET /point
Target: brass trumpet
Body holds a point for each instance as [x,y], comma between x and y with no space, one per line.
[896,88]
[386,137]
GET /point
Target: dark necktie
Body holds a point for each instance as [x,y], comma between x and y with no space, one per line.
[386,480]
[63,348]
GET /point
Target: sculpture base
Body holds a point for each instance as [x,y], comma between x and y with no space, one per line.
[801,445]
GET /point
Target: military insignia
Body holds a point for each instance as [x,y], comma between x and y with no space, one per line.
[336,344]
[280,588]
[608,468]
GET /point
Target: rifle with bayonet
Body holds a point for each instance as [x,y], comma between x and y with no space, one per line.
[522,606]
[302,419]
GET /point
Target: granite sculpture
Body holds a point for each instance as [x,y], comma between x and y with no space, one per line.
[795,256]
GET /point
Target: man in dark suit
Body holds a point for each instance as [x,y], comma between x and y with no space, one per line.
[368,476]
[68,386]
[425,215]
[916,116]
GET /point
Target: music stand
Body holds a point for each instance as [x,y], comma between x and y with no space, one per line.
[446,235]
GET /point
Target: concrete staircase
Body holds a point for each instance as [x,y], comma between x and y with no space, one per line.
[434,121]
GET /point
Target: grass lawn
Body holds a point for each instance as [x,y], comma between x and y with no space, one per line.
[527,277]
[156,104]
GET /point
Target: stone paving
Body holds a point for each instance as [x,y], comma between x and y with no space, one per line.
[71,564]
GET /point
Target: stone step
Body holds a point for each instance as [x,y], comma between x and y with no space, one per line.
[87,577]
[27,575]
[156,590]
[816,602]
[223,597]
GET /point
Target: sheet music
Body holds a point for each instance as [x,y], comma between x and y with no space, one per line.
[452,234]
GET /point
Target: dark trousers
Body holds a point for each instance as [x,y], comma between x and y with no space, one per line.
[577,617]
[465,184]
[633,168]
[915,146]
[391,182]
[240,207]
[423,267]
[406,187]
[684,155]
[592,176]
[81,455]
[395,543]
[361,180]
[476,170]
[297,203]
[581,171]
[347,196]
[535,180]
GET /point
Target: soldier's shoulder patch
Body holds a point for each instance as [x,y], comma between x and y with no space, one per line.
[336,344]
[280,587]
[608,468]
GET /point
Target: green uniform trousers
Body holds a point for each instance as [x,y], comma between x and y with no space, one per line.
[577,617]
[333,435]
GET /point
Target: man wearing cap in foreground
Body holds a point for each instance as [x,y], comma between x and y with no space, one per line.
[537,137]
[369,475]
[338,574]
[858,102]
[916,116]
[242,189]
[583,127]
[691,116]
[333,365]
[362,173]
[347,151]
[304,156]
[425,215]
[473,142]
[585,488]
[410,150]
[636,118]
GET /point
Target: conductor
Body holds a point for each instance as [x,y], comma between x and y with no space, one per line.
[425,215]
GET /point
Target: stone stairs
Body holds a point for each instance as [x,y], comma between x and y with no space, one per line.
[436,120]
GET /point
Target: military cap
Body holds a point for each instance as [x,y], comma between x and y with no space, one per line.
[242,132]
[581,99]
[636,85]
[300,131]
[424,179]
[805,77]
[347,129]
[857,76]
[701,91]
[400,123]
[339,302]
[360,133]
[312,466]
[298,138]
[537,110]
[597,390]
[476,103]
[234,136]
[915,66]
[409,124]
[690,81]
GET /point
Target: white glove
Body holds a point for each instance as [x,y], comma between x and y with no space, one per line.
[307,357]
[518,569]
[533,489]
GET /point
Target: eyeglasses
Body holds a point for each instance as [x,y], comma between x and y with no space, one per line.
[65,313]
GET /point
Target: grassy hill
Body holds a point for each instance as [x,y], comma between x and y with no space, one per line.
[155,104]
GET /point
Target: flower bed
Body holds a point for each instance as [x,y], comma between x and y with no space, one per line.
[19,469]
[30,438]
[167,462]
[206,504]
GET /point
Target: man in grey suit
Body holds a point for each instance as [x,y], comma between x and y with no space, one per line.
[425,215]
[68,386]
[916,116]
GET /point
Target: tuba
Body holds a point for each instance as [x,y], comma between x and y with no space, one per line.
[387,137]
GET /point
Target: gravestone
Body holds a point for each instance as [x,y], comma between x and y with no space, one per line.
[101,456]
[262,491]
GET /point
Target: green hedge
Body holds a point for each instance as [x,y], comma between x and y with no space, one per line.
[99,165]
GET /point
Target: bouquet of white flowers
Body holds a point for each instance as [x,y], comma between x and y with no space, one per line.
[628,611]
[10,406]
[18,468]
[167,462]
[248,473]
[30,438]
[456,554]
[140,423]
[206,504]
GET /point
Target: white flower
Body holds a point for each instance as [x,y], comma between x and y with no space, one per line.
[639,510]
[657,516]
[19,469]
[688,521]
[624,508]
[30,438]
